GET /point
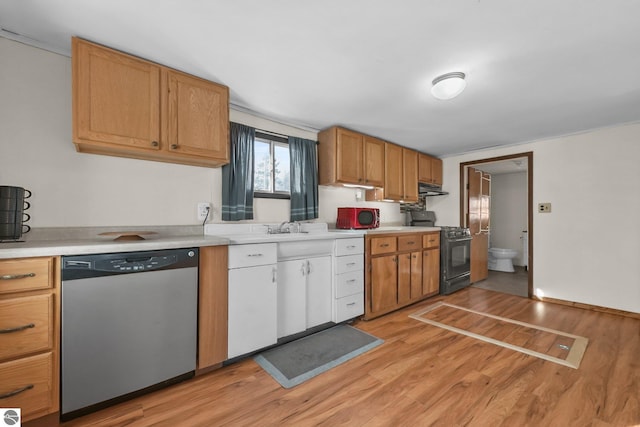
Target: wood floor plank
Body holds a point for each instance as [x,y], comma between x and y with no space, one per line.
[423,376]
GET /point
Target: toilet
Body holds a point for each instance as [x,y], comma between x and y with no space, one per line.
[501,259]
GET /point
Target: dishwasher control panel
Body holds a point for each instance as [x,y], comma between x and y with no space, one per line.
[132,264]
[82,266]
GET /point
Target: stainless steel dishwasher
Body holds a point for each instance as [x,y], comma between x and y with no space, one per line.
[129,324]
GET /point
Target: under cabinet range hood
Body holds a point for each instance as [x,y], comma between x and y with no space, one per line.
[430,190]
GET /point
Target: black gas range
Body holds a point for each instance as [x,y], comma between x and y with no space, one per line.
[455,252]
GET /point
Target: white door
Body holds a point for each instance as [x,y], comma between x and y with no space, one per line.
[319,296]
[252,309]
[292,291]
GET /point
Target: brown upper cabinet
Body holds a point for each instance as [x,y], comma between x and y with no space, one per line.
[400,175]
[348,157]
[429,169]
[128,107]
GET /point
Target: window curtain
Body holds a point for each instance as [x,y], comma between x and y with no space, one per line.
[303,179]
[237,176]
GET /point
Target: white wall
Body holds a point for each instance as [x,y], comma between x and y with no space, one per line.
[77,189]
[509,212]
[70,188]
[588,248]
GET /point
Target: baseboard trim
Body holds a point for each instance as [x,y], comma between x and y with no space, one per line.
[590,307]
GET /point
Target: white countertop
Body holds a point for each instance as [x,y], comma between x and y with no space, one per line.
[38,248]
[82,241]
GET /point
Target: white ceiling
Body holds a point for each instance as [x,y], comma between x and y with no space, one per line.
[535,69]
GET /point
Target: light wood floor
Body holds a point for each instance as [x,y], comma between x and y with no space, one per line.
[423,375]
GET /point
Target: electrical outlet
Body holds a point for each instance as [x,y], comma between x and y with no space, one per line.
[544,207]
[204,209]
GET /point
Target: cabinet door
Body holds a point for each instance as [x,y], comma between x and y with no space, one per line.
[373,161]
[431,272]
[410,175]
[197,117]
[424,168]
[253,309]
[319,291]
[292,297]
[404,278]
[416,275]
[384,283]
[436,171]
[116,98]
[393,174]
[349,157]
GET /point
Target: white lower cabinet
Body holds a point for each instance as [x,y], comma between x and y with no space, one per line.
[348,284]
[253,297]
[319,291]
[304,294]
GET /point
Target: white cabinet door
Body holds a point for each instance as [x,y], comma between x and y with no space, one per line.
[319,291]
[292,307]
[252,309]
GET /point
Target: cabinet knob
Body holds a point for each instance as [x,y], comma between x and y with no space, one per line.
[154,143]
[174,146]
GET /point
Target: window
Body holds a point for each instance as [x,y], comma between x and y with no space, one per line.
[271,166]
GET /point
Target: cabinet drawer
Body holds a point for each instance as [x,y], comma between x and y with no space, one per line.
[28,382]
[345,264]
[26,274]
[349,246]
[349,307]
[383,245]
[26,325]
[431,240]
[349,283]
[411,242]
[252,255]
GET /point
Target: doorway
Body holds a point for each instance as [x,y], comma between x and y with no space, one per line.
[513,163]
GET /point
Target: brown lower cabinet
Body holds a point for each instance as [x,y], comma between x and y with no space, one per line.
[213,294]
[30,335]
[401,269]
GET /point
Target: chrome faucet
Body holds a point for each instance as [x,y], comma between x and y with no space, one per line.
[285,227]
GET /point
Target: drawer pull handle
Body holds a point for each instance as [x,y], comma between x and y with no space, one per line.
[17,328]
[384,245]
[411,243]
[350,304]
[17,276]
[351,247]
[254,255]
[351,263]
[14,392]
[351,281]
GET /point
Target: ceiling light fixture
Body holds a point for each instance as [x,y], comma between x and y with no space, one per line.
[448,85]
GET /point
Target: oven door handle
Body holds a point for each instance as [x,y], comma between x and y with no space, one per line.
[459,240]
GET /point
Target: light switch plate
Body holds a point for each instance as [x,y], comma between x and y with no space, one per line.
[544,207]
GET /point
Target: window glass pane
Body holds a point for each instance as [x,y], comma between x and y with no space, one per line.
[281,167]
[262,166]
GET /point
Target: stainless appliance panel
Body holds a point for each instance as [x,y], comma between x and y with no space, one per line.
[123,333]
